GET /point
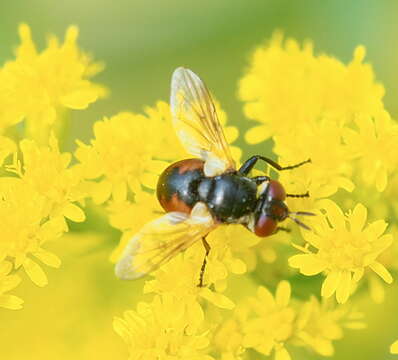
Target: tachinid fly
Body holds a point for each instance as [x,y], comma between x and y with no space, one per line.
[204,192]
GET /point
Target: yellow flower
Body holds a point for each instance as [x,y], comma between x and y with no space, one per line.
[375,143]
[26,227]
[128,151]
[7,283]
[38,86]
[328,170]
[229,247]
[47,172]
[161,330]
[228,337]
[343,247]
[273,324]
[287,85]
[319,324]
[184,286]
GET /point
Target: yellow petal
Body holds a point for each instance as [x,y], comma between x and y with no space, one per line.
[282,354]
[331,283]
[9,283]
[74,213]
[79,99]
[217,299]
[334,213]
[149,180]
[283,291]
[394,347]
[309,264]
[231,133]
[376,289]
[376,228]
[358,218]
[344,288]
[381,180]
[35,272]
[237,266]
[257,134]
[48,258]
[101,191]
[11,302]
[380,270]
[121,328]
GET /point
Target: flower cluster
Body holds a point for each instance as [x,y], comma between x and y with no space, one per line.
[39,188]
[314,100]
[311,106]
[39,86]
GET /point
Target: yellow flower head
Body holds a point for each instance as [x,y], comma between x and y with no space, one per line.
[129,150]
[26,227]
[47,171]
[319,324]
[287,86]
[161,330]
[37,86]
[375,143]
[343,247]
[273,323]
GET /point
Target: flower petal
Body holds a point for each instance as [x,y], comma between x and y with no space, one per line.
[48,258]
[309,264]
[331,283]
[282,295]
[282,354]
[74,213]
[217,299]
[380,270]
[344,288]
[35,272]
[358,218]
[11,302]
[334,213]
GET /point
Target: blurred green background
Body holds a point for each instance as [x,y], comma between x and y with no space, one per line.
[142,42]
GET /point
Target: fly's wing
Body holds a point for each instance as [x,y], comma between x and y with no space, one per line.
[162,239]
[196,122]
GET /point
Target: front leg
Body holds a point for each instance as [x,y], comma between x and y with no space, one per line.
[249,164]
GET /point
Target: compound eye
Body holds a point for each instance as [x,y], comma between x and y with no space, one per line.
[265,226]
[276,190]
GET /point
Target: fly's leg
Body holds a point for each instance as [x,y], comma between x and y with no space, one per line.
[281,228]
[251,162]
[307,194]
[203,268]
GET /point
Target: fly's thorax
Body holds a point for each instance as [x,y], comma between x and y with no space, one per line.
[230,196]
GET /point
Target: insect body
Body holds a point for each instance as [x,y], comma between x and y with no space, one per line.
[202,193]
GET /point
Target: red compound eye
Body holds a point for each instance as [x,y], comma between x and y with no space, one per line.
[265,226]
[276,190]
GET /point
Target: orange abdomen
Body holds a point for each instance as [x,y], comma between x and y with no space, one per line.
[177,185]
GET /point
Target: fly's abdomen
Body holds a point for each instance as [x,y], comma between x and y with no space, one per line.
[177,185]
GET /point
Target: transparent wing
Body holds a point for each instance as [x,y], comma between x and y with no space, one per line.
[162,239]
[196,122]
